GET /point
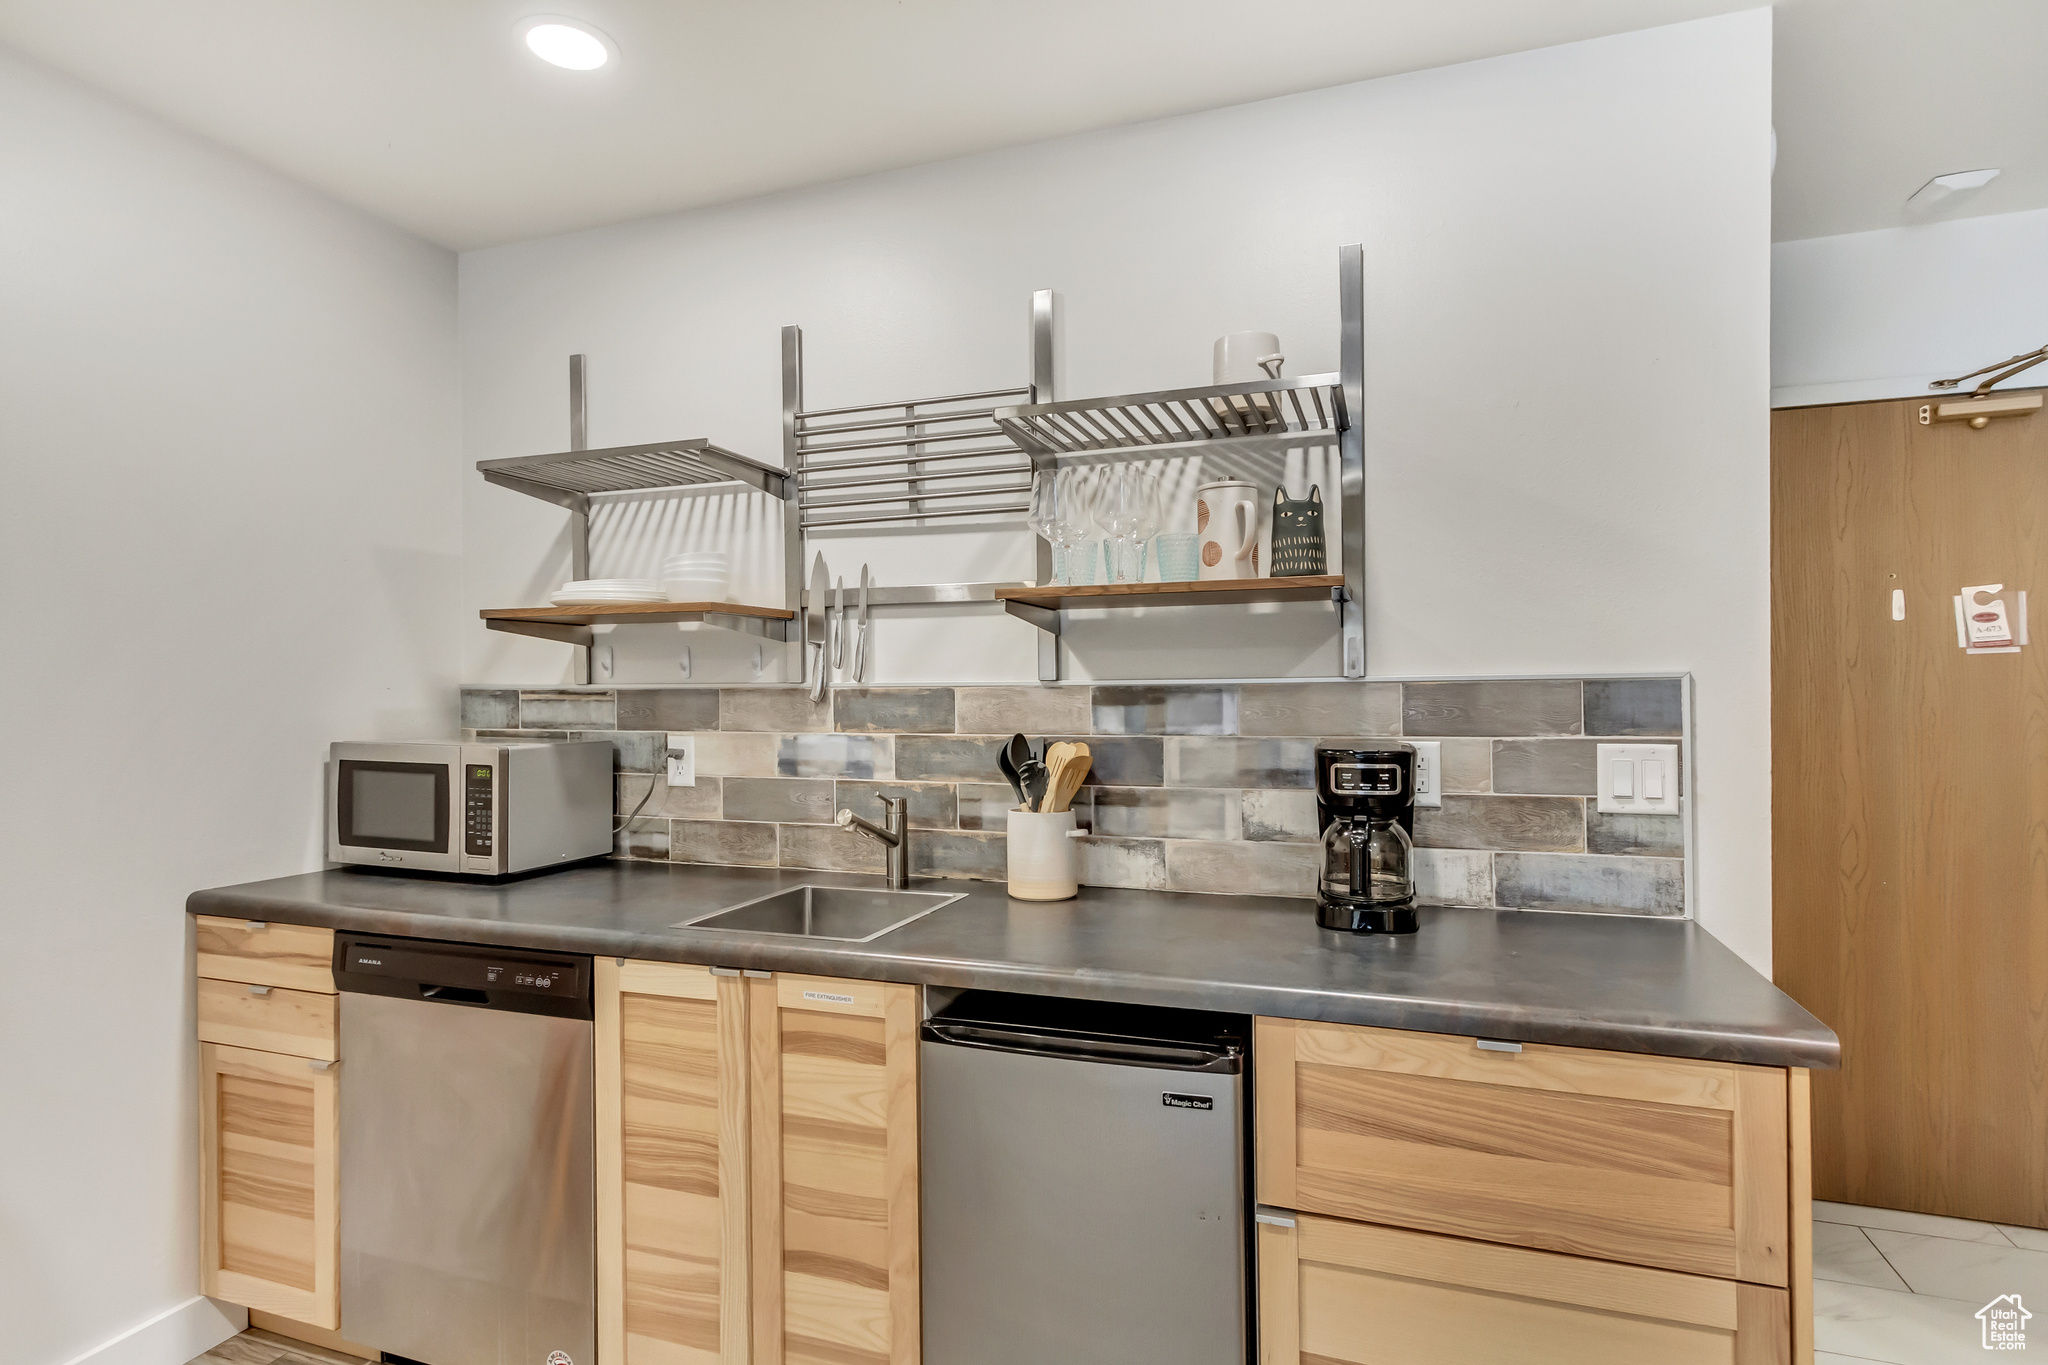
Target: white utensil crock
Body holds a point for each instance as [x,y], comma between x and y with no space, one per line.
[1045,858]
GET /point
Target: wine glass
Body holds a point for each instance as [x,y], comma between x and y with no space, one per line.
[1044,515]
[1079,511]
[1130,507]
[1148,514]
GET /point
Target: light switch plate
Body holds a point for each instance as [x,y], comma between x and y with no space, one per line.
[1429,771]
[682,761]
[1640,777]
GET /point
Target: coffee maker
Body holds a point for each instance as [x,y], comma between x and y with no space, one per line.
[1365,806]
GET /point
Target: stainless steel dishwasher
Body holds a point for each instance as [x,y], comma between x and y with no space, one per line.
[468,1216]
[1083,1184]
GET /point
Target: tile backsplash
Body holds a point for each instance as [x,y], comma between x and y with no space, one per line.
[1195,787]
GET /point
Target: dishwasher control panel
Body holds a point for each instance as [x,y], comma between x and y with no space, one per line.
[463,974]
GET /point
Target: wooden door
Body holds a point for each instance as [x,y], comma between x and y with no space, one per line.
[672,1198]
[834,1090]
[269,1184]
[1338,1293]
[1910,803]
[1658,1161]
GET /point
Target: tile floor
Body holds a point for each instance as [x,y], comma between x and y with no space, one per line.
[1904,1288]
[255,1347]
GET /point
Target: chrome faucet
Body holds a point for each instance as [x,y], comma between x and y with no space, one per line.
[894,833]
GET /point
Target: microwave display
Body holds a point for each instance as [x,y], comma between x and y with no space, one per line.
[393,805]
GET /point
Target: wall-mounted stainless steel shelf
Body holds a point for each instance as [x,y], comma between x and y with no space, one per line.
[572,476]
[571,625]
[1221,419]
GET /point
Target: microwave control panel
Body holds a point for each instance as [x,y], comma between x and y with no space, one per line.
[477,790]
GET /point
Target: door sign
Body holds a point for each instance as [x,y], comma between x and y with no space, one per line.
[1984,625]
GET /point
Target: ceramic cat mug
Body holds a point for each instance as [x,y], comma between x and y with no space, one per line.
[1297,540]
[1227,522]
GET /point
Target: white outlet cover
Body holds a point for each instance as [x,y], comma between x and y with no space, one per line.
[1429,771]
[682,761]
[1636,755]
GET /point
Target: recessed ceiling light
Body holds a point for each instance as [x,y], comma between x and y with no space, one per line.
[1948,186]
[566,42]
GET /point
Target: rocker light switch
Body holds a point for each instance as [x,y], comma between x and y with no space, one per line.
[1637,779]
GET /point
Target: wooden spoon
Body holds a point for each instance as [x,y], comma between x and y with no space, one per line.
[1068,777]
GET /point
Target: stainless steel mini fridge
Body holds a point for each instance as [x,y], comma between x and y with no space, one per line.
[1083,1183]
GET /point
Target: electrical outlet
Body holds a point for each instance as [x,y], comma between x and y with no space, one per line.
[1636,779]
[1429,771]
[682,761]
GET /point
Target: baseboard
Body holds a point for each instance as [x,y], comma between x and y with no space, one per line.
[173,1336]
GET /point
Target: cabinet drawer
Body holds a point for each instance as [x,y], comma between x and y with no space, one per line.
[268,1018]
[1339,1293]
[1651,1160]
[293,955]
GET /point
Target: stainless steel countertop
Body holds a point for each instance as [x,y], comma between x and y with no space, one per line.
[1633,985]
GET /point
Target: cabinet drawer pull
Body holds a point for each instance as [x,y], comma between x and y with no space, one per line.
[725,971]
[255,924]
[318,1066]
[259,990]
[1495,1045]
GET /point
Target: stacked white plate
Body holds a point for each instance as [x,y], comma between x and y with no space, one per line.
[606,590]
[700,576]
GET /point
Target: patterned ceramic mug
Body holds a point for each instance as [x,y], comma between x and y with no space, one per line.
[1227,520]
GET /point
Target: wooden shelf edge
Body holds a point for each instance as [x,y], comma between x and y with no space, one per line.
[1217,591]
[590,613]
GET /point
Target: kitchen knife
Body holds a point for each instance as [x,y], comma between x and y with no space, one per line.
[814,624]
[860,637]
[839,624]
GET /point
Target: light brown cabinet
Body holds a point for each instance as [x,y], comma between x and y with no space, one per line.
[1342,1293]
[757,1168]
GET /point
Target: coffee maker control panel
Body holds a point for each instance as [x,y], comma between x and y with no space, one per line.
[1365,779]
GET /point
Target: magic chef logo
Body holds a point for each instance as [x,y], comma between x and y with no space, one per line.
[1173,1101]
[2005,1323]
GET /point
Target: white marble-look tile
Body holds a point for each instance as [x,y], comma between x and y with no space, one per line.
[1950,1269]
[2027,1239]
[1898,1329]
[1898,1220]
[1843,1254]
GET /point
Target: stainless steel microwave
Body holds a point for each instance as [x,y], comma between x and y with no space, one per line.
[482,809]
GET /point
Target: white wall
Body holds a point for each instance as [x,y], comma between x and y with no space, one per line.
[228,535]
[1567,367]
[1878,314]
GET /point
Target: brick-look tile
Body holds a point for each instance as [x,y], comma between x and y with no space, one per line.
[1242,869]
[931,803]
[1554,824]
[1652,836]
[777,710]
[1201,761]
[700,802]
[668,708]
[828,848]
[1635,706]
[633,752]
[732,842]
[734,755]
[642,839]
[1136,863]
[1453,876]
[779,800]
[1545,767]
[983,856]
[835,755]
[568,711]
[1280,815]
[485,709]
[949,758]
[1166,813]
[893,710]
[1121,760]
[1320,708]
[1531,706]
[1125,710]
[1468,765]
[985,805]
[1548,881]
[1022,710]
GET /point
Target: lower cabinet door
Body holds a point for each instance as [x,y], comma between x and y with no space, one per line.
[269,1226]
[834,1088]
[1338,1293]
[672,1267]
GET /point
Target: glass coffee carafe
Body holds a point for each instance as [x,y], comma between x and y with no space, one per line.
[1367,861]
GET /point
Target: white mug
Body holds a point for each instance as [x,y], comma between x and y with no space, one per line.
[1243,357]
[1227,520]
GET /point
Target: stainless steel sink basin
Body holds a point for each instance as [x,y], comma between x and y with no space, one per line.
[835,912]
